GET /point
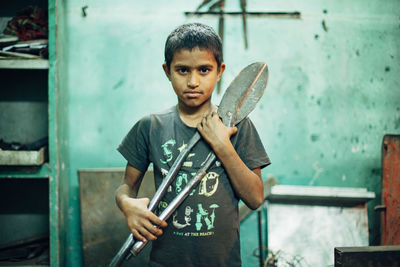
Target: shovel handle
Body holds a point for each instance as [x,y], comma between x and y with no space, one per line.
[211,158]
[123,253]
[173,171]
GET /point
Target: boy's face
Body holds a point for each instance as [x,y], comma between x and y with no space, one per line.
[193,74]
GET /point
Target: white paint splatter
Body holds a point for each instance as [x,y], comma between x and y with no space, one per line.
[318,171]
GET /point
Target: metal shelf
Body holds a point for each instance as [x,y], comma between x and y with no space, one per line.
[51,169]
[320,195]
[23,158]
[38,64]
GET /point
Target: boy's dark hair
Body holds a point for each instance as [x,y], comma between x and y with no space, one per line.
[189,36]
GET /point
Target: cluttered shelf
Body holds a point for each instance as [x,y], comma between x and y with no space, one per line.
[24,39]
[19,54]
[24,106]
[27,128]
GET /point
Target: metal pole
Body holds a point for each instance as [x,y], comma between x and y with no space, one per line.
[260,244]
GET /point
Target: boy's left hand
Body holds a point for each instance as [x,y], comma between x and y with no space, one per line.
[215,132]
[247,183]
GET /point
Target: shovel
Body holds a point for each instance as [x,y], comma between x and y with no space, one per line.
[238,101]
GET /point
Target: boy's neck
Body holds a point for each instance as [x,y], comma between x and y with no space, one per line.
[192,116]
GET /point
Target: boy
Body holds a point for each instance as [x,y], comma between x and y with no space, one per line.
[204,231]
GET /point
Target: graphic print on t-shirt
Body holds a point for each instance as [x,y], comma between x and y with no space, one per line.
[209,184]
[167,152]
[198,218]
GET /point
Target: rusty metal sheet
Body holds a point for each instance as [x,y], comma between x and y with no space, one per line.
[103,225]
[390,231]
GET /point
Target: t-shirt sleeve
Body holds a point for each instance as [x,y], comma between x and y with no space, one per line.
[249,147]
[135,145]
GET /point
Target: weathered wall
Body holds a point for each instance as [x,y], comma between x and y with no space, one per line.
[333,91]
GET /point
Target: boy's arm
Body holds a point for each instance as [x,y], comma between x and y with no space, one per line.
[140,220]
[247,183]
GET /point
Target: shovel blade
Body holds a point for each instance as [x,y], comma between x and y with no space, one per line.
[243,93]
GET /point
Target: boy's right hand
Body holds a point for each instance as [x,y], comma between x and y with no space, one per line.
[143,223]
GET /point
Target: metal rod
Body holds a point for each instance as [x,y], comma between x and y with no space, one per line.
[244,22]
[139,245]
[292,15]
[123,253]
[260,244]
[173,172]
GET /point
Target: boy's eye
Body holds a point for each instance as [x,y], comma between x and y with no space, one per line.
[183,70]
[204,70]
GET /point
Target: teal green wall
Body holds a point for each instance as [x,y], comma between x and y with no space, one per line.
[333,91]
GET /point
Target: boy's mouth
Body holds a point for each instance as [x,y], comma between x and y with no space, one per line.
[192,94]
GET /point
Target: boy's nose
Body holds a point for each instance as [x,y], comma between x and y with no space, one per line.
[194,80]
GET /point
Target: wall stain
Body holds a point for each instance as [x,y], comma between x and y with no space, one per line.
[299,87]
[397,123]
[314,137]
[324,26]
[376,171]
[296,73]
[84,12]
[118,84]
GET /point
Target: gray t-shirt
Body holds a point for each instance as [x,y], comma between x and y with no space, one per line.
[204,230]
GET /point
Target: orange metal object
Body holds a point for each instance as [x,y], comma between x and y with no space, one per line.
[390,231]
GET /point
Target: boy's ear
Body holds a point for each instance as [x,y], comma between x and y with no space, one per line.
[221,70]
[166,71]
